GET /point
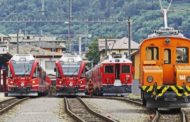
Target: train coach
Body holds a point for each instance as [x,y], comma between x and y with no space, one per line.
[165,69]
[70,75]
[113,76]
[26,77]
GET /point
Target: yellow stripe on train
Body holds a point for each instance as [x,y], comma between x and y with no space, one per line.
[164,90]
[176,91]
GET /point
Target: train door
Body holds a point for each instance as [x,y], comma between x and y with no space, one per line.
[117,75]
[168,67]
[117,71]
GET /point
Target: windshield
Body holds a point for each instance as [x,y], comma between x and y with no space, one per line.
[22,68]
[70,68]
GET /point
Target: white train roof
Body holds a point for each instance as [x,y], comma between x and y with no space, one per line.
[22,57]
[70,58]
[116,59]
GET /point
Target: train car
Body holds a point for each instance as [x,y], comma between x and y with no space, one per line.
[26,77]
[112,76]
[70,75]
[165,68]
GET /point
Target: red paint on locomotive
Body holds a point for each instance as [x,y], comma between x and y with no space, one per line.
[26,77]
[112,76]
[70,75]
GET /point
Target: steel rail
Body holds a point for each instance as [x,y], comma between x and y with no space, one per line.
[8,107]
[156,117]
[137,102]
[182,115]
[77,118]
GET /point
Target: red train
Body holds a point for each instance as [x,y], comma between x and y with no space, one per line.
[70,75]
[113,76]
[26,77]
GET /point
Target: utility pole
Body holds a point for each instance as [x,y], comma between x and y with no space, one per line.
[69,24]
[43,8]
[129,37]
[106,46]
[80,37]
[17,42]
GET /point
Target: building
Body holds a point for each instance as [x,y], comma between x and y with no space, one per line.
[116,46]
[53,47]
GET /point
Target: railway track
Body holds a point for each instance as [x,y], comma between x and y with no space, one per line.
[125,99]
[8,104]
[81,112]
[170,116]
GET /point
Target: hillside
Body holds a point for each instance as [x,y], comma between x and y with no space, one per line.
[144,13]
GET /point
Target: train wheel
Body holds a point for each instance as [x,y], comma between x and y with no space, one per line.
[97,92]
[6,94]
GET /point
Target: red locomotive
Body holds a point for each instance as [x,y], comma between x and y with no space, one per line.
[26,77]
[70,75]
[113,76]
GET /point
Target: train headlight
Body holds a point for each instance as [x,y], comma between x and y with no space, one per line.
[127,77]
[149,79]
[188,79]
[11,82]
[22,84]
[33,81]
[60,82]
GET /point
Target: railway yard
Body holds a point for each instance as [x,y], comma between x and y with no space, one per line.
[148,82]
[88,109]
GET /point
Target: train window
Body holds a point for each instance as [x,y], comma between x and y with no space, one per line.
[108,69]
[49,65]
[83,73]
[125,69]
[57,74]
[152,53]
[22,68]
[167,56]
[182,55]
[36,72]
[9,72]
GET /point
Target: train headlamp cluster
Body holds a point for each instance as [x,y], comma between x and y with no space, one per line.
[167,41]
[188,79]
[127,77]
[11,82]
[60,82]
[150,79]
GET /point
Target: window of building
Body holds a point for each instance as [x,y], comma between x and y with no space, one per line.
[167,56]
[126,54]
[182,55]
[49,65]
[113,53]
[108,69]
[152,53]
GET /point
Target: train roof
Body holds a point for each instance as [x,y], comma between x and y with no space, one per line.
[70,58]
[22,57]
[116,59]
[165,32]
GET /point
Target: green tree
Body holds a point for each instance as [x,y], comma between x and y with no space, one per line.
[93,53]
